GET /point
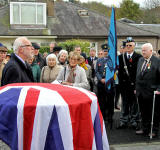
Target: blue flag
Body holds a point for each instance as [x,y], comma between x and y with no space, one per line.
[112,60]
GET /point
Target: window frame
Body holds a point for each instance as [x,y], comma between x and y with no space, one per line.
[94,45]
[20,15]
[138,45]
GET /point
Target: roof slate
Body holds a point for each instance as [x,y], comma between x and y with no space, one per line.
[155,28]
[68,23]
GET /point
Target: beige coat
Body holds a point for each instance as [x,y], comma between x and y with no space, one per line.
[48,74]
[1,69]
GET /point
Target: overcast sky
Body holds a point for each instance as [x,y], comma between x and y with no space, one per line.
[115,2]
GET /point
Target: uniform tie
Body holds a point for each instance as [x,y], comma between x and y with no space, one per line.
[129,56]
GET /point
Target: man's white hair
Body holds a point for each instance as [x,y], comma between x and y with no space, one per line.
[148,45]
[51,56]
[18,42]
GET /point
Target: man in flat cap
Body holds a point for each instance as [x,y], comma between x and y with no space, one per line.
[127,76]
[56,50]
[38,57]
[3,61]
[105,97]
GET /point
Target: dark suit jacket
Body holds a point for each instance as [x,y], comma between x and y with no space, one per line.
[89,60]
[92,65]
[147,83]
[15,71]
[125,80]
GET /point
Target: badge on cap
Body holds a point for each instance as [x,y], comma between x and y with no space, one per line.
[129,39]
[105,47]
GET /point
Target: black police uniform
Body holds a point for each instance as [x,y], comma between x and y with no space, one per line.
[129,114]
[105,97]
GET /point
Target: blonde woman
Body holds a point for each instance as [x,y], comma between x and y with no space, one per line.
[49,73]
[72,74]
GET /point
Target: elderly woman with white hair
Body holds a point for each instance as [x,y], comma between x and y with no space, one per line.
[62,57]
[49,73]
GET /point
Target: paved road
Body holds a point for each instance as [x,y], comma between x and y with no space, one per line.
[126,139]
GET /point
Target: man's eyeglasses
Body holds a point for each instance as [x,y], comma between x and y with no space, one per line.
[26,46]
[129,45]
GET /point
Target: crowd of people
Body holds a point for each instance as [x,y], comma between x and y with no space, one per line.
[137,78]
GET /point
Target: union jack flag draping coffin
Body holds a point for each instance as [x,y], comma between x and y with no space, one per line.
[50,117]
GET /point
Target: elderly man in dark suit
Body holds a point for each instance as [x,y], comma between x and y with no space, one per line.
[148,81]
[91,61]
[17,70]
[127,76]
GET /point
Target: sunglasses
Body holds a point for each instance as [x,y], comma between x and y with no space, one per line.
[129,45]
[26,46]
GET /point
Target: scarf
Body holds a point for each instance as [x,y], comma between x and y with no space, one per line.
[71,76]
[83,65]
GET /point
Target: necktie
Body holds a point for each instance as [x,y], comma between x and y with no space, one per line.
[129,56]
[144,67]
[92,59]
[92,67]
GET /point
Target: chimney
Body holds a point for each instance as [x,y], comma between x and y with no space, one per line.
[50,8]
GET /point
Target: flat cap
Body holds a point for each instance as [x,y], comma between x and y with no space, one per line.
[35,46]
[57,48]
[3,48]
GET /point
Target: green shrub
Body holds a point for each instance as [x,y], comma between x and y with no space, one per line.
[44,49]
[70,44]
[10,51]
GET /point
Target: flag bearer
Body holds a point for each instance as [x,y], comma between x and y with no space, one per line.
[105,97]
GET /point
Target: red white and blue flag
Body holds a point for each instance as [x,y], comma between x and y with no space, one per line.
[50,117]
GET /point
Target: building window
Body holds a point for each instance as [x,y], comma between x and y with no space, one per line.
[27,13]
[83,13]
[138,46]
[94,45]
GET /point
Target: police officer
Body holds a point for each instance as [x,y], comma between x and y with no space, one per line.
[105,97]
[127,76]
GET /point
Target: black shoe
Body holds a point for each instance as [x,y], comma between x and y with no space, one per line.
[133,127]
[142,132]
[154,135]
[139,132]
[122,126]
[116,107]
